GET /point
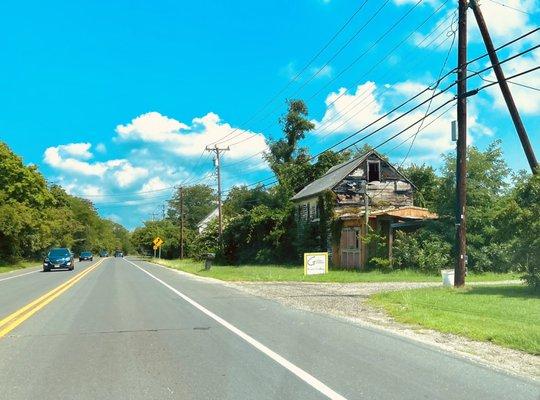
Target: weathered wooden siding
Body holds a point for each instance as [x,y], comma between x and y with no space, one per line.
[303,206]
[391,191]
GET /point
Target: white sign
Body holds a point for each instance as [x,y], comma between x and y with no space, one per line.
[315,263]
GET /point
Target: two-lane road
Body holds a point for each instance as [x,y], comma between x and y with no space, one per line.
[133,330]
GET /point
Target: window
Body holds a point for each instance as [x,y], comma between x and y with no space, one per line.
[374,171]
[308,212]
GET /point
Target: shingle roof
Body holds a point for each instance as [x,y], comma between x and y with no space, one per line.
[334,175]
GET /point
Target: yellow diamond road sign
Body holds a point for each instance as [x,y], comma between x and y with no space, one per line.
[157,242]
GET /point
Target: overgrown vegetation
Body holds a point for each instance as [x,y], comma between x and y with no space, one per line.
[261,224]
[35,216]
[505,315]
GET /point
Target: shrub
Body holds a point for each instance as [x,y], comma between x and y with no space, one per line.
[382,264]
[531,275]
[423,250]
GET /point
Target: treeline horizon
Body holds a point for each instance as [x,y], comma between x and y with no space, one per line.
[36,216]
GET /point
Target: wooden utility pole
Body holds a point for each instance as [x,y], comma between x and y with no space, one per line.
[181,222]
[218,151]
[505,89]
[461,158]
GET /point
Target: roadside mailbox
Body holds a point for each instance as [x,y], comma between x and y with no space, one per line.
[315,263]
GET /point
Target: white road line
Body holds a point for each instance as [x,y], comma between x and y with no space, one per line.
[299,372]
[18,276]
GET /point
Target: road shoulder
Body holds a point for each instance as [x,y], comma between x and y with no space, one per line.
[348,301]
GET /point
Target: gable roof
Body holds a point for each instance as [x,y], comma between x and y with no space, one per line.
[332,177]
[336,174]
[213,214]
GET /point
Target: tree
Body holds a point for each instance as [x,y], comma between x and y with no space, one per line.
[35,216]
[486,187]
[295,126]
[518,225]
[241,199]
[426,181]
[199,201]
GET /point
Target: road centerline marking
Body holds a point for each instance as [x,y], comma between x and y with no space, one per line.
[18,317]
[299,372]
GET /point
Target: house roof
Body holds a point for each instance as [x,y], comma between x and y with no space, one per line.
[213,214]
[332,177]
[336,174]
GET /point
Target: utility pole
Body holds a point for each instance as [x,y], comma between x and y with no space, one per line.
[163,211]
[181,222]
[505,89]
[218,151]
[461,158]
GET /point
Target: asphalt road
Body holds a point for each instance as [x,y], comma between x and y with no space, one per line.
[139,331]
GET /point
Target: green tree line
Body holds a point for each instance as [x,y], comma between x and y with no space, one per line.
[35,215]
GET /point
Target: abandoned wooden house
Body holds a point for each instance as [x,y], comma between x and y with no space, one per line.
[367,182]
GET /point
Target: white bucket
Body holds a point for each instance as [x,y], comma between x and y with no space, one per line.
[447,277]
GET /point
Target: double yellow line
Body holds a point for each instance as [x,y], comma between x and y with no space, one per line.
[18,317]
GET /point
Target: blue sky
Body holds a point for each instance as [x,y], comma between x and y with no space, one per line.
[116,100]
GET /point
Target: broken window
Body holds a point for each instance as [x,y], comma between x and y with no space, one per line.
[374,171]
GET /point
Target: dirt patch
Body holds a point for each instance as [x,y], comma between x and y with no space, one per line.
[349,301]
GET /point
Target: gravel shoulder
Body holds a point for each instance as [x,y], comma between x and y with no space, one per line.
[349,301]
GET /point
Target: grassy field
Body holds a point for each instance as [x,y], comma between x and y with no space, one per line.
[20,265]
[506,315]
[282,273]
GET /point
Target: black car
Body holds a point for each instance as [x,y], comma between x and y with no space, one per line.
[104,253]
[118,253]
[86,255]
[59,258]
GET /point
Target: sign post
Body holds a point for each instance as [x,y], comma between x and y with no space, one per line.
[157,245]
[315,263]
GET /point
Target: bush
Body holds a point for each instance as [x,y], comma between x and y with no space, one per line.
[531,276]
[423,250]
[382,264]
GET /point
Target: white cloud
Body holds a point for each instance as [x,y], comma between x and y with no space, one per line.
[128,174]
[353,112]
[527,100]
[101,148]
[91,190]
[178,138]
[151,127]
[347,111]
[53,157]
[426,2]
[62,158]
[325,71]
[504,23]
[153,185]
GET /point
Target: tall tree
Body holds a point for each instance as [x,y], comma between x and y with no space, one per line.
[295,125]
[199,200]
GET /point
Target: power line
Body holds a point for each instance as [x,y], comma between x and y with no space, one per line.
[511,8]
[380,38]
[513,83]
[416,107]
[378,63]
[295,78]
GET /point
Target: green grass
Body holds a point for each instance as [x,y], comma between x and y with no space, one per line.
[283,273]
[505,315]
[5,267]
